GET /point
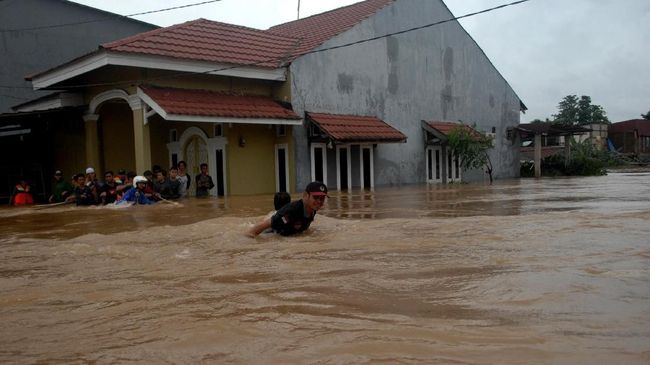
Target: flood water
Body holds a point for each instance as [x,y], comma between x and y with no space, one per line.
[547,271]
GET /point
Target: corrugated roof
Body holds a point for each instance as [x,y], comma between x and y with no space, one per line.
[552,129]
[355,128]
[641,125]
[206,40]
[216,104]
[316,29]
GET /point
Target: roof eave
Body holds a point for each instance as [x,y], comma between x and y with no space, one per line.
[158,109]
[103,57]
[368,140]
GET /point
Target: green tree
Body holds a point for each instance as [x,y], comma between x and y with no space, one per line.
[568,111]
[574,111]
[471,148]
[646,115]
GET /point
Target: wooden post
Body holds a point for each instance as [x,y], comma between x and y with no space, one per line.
[567,149]
[538,154]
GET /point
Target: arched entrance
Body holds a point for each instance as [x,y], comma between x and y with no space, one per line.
[109,131]
[196,152]
[195,148]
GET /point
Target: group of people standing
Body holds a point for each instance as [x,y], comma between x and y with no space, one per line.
[154,185]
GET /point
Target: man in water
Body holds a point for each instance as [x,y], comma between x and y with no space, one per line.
[136,194]
[297,216]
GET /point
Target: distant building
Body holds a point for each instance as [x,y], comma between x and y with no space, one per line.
[597,135]
[38,35]
[631,136]
[312,99]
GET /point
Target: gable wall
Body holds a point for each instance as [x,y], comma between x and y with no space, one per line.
[437,73]
[26,52]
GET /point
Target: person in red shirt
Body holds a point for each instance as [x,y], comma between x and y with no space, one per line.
[21,194]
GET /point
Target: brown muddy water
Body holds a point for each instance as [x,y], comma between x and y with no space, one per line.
[549,271]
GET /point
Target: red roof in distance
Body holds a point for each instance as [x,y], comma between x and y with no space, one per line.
[216,104]
[355,128]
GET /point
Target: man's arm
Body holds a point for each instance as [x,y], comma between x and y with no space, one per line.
[259,227]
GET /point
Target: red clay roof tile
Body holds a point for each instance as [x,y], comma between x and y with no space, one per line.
[216,104]
[355,128]
[206,40]
[446,127]
[316,29]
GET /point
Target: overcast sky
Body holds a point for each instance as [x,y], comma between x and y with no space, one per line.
[546,49]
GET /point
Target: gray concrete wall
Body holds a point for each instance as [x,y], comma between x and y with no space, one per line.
[26,52]
[436,73]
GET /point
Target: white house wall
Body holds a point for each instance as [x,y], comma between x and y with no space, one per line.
[436,73]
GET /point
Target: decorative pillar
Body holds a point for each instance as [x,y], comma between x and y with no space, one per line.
[538,154]
[92,142]
[141,136]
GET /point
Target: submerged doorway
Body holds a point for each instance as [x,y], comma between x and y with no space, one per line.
[434,164]
[195,148]
[220,173]
[319,162]
[343,168]
[367,168]
[281,168]
[441,165]
[196,153]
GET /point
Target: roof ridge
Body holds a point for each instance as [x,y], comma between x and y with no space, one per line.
[135,37]
[315,30]
[330,11]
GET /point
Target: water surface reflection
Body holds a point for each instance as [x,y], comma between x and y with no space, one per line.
[550,271]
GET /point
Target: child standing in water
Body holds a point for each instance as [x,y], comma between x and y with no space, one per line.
[21,194]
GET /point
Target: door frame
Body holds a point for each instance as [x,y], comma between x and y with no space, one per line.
[212,144]
[362,167]
[313,164]
[338,166]
[285,147]
[434,164]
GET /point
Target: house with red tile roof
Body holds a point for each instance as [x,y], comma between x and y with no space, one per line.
[34,34]
[337,97]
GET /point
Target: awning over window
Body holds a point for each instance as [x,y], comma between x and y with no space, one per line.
[355,128]
[441,130]
[215,107]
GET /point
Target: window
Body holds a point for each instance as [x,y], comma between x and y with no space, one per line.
[314,131]
[218,130]
[281,130]
[173,135]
